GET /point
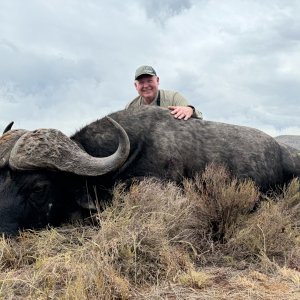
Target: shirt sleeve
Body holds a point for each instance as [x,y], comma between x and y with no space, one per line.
[179,100]
[133,103]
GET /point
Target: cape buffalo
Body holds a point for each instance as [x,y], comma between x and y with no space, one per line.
[45,177]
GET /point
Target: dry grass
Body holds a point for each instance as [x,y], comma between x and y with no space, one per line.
[159,241]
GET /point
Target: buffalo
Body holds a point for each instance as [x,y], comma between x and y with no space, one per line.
[48,178]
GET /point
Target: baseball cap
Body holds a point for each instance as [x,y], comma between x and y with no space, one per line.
[144,70]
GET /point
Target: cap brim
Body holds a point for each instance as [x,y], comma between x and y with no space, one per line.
[145,73]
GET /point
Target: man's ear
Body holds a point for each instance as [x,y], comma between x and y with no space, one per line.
[157,79]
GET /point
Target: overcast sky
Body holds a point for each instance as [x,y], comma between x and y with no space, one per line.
[66,63]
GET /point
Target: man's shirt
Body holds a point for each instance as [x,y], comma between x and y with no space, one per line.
[167,98]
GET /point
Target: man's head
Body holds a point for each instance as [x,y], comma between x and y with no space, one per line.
[146,83]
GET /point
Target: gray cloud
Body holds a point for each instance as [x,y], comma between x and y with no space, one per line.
[163,10]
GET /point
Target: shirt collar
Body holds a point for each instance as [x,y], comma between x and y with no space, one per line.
[154,102]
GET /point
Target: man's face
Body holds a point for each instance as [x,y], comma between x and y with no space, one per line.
[147,87]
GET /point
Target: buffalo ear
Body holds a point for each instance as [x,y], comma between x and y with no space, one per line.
[86,202]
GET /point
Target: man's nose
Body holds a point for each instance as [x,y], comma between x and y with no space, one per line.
[145,84]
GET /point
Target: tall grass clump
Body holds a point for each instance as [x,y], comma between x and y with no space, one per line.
[290,200]
[272,231]
[219,202]
[136,231]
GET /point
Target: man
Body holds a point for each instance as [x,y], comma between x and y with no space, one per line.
[147,82]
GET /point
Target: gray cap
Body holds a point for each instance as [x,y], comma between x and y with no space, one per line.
[144,70]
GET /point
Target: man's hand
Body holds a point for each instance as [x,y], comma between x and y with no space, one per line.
[181,112]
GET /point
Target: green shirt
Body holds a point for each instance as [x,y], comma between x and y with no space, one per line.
[167,98]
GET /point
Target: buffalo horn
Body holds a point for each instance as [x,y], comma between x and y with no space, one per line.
[51,149]
[7,142]
[8,127]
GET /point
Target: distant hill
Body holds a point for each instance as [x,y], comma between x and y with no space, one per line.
[291,140]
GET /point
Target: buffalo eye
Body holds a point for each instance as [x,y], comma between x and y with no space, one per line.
[38,193]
